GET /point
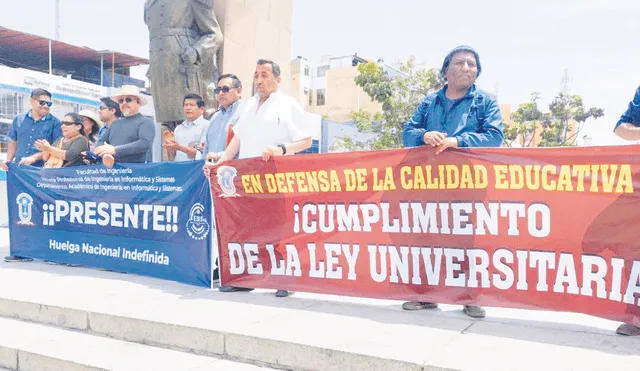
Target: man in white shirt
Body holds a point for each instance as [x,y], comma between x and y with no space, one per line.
[270,124]
[183,146]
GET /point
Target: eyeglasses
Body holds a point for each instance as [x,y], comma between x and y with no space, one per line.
[127,99]
[102,108]
[45,103]
[224,89]
[69,123]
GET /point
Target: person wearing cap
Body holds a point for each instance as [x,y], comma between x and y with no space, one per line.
[628,128]
[457,116]
[27,128]
[184,143]
[92,125]
[129,139]
[109,113]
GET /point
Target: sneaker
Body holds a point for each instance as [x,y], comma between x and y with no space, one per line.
[16,258]
[474,311]
[283,293]
[417,305]
[628,329]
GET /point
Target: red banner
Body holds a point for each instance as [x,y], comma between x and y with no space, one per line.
[551,229]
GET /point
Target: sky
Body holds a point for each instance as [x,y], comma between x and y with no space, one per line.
[524,46]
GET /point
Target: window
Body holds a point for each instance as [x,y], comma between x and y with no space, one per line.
[322,71]
[9,102]
[306,70]
[61,108]
[321,98]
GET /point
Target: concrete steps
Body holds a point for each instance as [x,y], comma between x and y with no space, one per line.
[28,347]
[306,332]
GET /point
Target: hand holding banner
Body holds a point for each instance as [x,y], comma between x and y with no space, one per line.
[522,228]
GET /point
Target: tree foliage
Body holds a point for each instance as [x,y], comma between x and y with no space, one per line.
[525,123]
[560,126]
[399,96]
[566,119]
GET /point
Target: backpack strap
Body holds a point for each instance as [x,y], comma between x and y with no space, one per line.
[19,120]
[480,107]
[427,101]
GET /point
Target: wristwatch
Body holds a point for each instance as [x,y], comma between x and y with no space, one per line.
[284,149]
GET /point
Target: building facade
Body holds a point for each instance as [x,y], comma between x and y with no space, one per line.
[327,88]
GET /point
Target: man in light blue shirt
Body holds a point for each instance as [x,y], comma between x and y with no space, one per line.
[215,140]
[186,136]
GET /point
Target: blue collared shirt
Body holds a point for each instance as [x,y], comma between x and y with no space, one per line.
[187,134]
[632,114]
[26,132]
[474,120]
[215,138]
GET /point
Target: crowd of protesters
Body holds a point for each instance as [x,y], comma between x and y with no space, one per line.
[266,125]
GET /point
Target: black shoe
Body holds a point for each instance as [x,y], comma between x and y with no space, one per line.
[233,289]
[474,311]
[283,293]
[417,305]
[16,259]
[628,329]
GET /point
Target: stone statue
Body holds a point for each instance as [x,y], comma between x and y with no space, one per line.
[211,97]
[184,38]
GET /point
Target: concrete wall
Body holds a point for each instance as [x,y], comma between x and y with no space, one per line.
[342,96]
[255,29]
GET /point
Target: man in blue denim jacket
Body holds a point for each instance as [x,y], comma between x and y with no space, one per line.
[628,127]
[458,115]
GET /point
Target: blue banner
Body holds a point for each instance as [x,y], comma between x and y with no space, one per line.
[149,219]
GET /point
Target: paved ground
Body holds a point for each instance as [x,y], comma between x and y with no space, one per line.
[507,339]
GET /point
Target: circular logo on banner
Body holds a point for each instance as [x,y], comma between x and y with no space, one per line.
[25,203]
[197,226]
[226,176]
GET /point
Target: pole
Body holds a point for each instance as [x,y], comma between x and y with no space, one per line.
[113,69]
[57,20]
[101,69]
[50,60]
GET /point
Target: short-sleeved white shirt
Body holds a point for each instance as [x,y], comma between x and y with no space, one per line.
[188,133]
[280,120]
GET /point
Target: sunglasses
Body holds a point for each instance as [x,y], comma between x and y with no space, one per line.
[69,123]
[127,99]
[224,89]
[45,103]
[101,108]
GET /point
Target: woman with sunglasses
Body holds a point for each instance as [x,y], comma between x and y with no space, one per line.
[66,151]
[92,126]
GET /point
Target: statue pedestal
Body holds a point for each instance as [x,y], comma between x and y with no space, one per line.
[254,29]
